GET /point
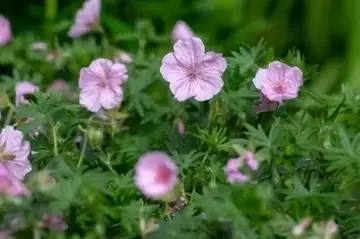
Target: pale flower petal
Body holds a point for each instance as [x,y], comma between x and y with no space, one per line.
[181,31]
[5,31]
[109,99]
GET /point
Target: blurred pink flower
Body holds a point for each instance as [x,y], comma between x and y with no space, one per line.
[14,152]
[22,89]
[279,81]
[39,46]
[181,127]
[192,72]
[54,222]
[330,229]
[100,84]
[87,18]
[123,57]
[233,173]
[59,85]
[265,105]
[299,229]
[155,174]
[233,165]
[10,184]
[181,31]
[5,31]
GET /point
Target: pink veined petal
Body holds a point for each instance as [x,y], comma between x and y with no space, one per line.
[260,78]
[117,74]
[171,69]
[100,67]
[109,99]
[90,98]
[5,31]
[88,78]
[182,89]
[78,30]
[206,86]
[189,52]
[295,74]
[181,31]
[213,63]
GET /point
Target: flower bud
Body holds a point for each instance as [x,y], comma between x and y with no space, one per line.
[94,135]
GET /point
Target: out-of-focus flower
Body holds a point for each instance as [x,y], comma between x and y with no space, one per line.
[180,127]
[265,105]
[39,46]
[233,165]
[10,184]
[279,81]
[123,57]
[51,56]
[58,85]
[155,174]
[22,89]
[54,222]
[14,152]
[5,31]
[330,229]
[181,31]
[87,18]
[191,72]
[299,229]
[100,84]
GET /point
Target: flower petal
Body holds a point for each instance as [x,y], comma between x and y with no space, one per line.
[189,52]
[109,98]
[206,86]
[90,98]
[171,69]
[213,63]
[117,74]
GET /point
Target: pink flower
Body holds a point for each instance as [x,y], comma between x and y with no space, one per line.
[233,165]
[87,18]
[14,152]
[192,72]
[100,84]
[22,89]
[181,31]
[299,229]
[10,184]
[123,57]
[155,174]
[59,85]
[279,81]
[54,222]
[265,105]
[330,229]
[5,31]
[181,127]
[39,46]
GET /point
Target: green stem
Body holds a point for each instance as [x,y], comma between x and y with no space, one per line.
[141,48]
[36,233]
[8,117]
[50,15]
[81,159]
[54,132]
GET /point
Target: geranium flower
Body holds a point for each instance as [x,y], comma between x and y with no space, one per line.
[5,31]
[10,184]
[87,18]
[232,168]
[22,89]
[14,152]
[279,81]
[155,174]
[100,84]
[123,57]
[54,222]
[181,31]
[181,127]
[192,72]
[39,46]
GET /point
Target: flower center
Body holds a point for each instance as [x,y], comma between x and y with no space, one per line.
[163,175]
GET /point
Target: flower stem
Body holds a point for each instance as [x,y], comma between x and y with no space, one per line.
[81,159]
[50,15]
[8,117]
[54,132]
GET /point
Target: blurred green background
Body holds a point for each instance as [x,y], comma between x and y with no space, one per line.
[327,32]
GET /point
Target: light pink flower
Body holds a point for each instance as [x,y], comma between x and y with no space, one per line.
[87,18]
[265,105]
[39,46]
[279,81]
[59,85]
[181,31]
[11,185]
[54,222]
[100,84]
[191,72]
[5,31]
[330,229]
[233,173]
[299,229]
[155,174]
[123,57]
[22,89]
[233,165]
[181,127]
[14,152]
